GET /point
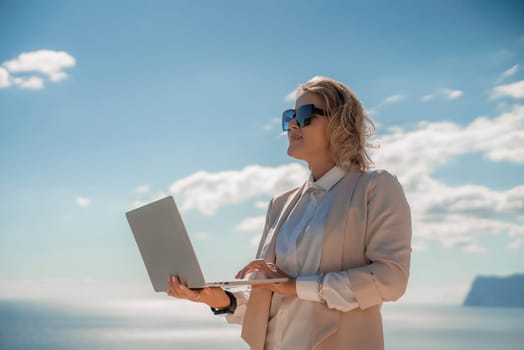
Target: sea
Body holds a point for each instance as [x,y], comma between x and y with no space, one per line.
[160,324]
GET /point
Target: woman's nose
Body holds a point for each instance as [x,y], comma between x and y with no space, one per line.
[293,124]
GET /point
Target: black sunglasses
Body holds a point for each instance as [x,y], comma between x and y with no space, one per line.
[303,115]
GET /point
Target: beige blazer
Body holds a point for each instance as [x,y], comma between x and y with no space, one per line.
[367,234]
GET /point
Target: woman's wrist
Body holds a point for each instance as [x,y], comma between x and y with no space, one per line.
[223,301]
[230,308]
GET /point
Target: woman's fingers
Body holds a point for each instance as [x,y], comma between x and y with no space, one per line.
[174,287]
[270,270]
[259,265]
[212,296]
[179,290]
[272,267]
[254,266]
[247,269]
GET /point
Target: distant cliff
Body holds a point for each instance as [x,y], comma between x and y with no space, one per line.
[497,291]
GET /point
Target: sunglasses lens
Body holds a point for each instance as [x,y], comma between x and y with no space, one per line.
[304,115]
[287,116]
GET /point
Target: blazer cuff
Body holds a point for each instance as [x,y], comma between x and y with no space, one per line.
[308,287]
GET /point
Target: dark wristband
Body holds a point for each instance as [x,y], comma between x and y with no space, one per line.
[229,309]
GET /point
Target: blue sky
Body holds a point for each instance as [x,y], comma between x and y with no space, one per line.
[108,105]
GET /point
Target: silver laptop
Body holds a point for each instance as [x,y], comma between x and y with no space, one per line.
[167,250]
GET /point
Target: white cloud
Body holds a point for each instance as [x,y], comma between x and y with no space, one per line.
[514,90]
[507,73]
[46,62]
[152,198]
[142,189]
[451,94]
[501,56]
[33,82]
[272,124]
[394,99]
[511,71]
[447,93]
[427,98]
[474,248]
[430,145]
[515,244]
[82,201]
[371,112]
[291,97]
[252,224]
[261,204]
[207,192]
[457,215]
[388,100]
[4,78]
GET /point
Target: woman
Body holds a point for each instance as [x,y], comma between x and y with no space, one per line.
[343,238]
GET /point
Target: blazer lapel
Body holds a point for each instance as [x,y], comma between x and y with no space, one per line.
[254,326]
[268,251]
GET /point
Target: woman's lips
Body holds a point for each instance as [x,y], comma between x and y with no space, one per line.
[295,137]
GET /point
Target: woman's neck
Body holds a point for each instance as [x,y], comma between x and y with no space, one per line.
[320,167]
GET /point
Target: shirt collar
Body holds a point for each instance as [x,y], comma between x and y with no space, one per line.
[326,181]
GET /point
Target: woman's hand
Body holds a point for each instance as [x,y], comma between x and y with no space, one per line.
[268,270]
[212,296]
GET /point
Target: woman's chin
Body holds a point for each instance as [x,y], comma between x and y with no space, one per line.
[294,153]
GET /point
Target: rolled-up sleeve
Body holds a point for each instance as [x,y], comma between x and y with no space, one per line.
[308,287]
[333,289]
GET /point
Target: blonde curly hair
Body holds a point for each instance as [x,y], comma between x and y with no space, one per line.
[349,127]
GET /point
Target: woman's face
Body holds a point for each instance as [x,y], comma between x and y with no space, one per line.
[309,143]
